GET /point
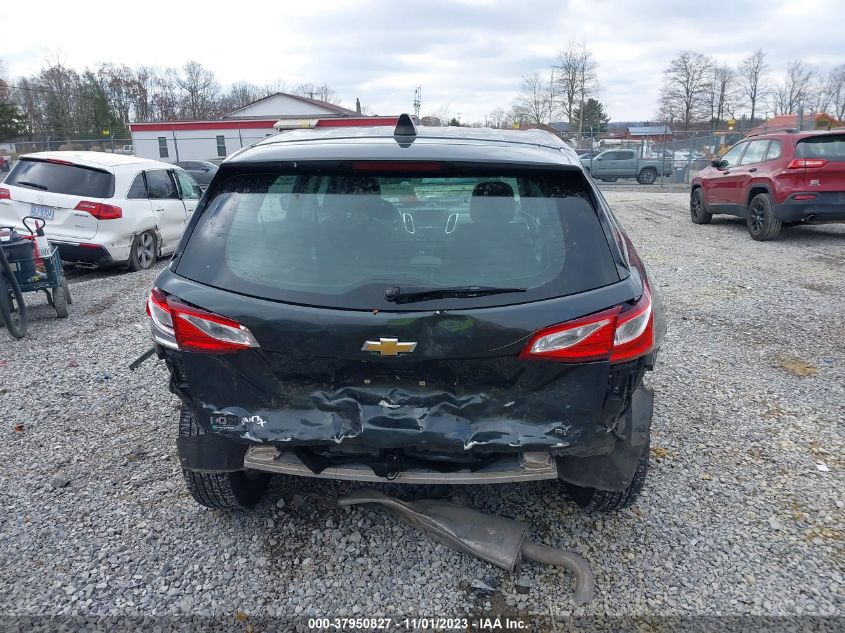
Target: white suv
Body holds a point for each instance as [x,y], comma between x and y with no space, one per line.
[101,208]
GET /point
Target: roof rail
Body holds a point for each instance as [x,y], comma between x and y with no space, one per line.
[774,130]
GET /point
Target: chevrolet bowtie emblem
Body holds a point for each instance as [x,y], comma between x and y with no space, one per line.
[389,346]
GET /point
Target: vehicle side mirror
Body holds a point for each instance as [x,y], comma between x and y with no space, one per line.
[716,162]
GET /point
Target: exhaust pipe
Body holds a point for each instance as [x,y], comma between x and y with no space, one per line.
[497,540]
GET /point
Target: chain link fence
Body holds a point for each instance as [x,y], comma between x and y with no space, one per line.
[684,152]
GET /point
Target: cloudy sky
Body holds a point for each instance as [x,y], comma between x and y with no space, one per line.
[468,55]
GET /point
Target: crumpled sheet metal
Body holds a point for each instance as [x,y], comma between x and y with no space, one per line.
[497,540]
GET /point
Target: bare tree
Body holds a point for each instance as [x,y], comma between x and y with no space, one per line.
[200,91]
[497,118]
[272,88]
[835,88]
[166,96]
[751,76]
[685,87]
[323,92]
[5,90]
[722,89]
[577,79]
[241,94]
[793,94]
[533,100]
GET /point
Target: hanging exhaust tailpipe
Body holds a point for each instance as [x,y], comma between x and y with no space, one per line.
[497,540]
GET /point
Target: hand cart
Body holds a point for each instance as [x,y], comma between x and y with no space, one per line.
[25,268]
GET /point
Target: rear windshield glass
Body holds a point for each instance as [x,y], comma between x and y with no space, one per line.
[342,239]
[830,147]
[62,178]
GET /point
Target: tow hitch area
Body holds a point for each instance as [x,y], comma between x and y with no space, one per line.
[497,540]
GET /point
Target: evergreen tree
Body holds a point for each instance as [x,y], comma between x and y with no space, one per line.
[595,119]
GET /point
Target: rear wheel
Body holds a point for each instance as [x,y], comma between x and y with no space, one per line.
[595,500]
[66,288]
[143,253]
[12,308]
[763,224]
[647,176]
[60,301]
[697,211]
[230,491]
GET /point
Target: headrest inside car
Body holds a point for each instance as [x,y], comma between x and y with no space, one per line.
[492,202]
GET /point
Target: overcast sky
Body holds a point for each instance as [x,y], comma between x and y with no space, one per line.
[468,55]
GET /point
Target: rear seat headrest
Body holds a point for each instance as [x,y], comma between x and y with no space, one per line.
[492,202]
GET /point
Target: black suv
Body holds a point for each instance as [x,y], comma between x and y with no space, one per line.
[432,305]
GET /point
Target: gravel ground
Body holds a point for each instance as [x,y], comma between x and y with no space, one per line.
[742,512]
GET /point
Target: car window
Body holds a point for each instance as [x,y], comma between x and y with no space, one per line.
[138,189]
[774,150]
[626,155]
[830,147]
[731,157]
[62,177]
[187,186]
[338,239]
[160,185]
[755,152]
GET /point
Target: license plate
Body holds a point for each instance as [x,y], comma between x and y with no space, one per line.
[45,213]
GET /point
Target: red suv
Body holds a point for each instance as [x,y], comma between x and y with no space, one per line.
[775,179]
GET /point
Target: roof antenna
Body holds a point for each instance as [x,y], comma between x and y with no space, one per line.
[405,132]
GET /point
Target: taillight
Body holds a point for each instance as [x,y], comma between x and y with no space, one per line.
[99,210]
[634,335]
[189,329]
[617,335]
[5,194]
[806,163]
[586,339]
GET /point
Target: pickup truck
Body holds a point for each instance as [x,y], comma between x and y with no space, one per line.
[625,163]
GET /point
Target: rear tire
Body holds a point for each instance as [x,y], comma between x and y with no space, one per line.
[763,224]
[697,211]
[230,491]
[12,308]
[60,302]
[144,251]
[647,176]
[66,288]
[594,500]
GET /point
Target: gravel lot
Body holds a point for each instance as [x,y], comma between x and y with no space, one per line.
[742,513]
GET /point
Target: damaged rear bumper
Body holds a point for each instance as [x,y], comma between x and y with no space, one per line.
[612,470]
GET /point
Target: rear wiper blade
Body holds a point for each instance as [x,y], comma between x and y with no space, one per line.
[395,295]
[34,185]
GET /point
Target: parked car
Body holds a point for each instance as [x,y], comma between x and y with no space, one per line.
[200,170]
[625,163]
[318,321]
[101,208]
[774,180]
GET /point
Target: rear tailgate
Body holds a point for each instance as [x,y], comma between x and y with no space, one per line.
[823,163]
[53,191]
[304,258]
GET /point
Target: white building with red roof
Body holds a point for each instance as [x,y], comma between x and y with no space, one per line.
[174,141]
